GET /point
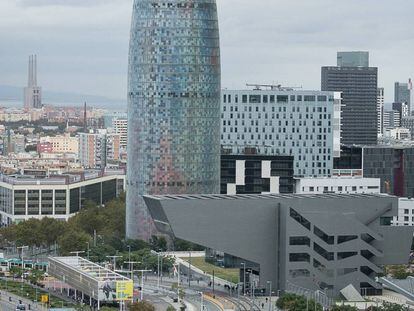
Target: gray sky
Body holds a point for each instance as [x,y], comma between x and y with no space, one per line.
[82,45]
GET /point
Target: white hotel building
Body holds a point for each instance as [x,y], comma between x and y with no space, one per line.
[305,124]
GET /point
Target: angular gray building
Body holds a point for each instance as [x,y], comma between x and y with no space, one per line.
[359,87]
[173,104]
[313,242]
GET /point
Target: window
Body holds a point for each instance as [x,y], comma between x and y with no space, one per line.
[272,99]
[346,238]
[322,98]
[385,221]
[299,257]
[244,99]
[282,98]
[299,240]
[255,99]
[309,98]
[324,253]
[323,236]
[302,220]
[406,211]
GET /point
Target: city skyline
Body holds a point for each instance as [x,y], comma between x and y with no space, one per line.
[91,54]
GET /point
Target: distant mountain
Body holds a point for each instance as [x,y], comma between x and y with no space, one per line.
[13,94]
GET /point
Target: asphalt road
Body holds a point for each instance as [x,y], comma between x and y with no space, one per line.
[7,305]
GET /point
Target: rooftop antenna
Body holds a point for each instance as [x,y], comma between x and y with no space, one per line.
[273,87]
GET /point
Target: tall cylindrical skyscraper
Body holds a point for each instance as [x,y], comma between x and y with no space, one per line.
[173,104]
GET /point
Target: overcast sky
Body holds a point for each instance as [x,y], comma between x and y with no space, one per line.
[82,45]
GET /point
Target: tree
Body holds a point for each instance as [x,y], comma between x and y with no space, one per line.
[158,243]
[35,277]
[398,272]
[170,308]
[141,306]
[294,302]
[72,240]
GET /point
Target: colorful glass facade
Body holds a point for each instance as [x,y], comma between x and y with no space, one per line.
[173,104]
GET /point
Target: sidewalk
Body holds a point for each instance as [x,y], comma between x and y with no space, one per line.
[5,297]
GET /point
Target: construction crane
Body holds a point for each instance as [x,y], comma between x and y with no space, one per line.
[273,87]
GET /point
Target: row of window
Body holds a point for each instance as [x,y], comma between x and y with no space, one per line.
[259,98]
[284,109]
[330,256]
[338,189]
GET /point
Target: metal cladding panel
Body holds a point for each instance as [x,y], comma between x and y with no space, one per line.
[241,228]
[396,240]
[173,104]
[258,228]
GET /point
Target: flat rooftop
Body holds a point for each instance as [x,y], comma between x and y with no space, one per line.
[266,196]
[86,267]
[63,179]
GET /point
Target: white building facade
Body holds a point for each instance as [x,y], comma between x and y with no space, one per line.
[305,124]
[59,197]
[380,110]
[120,126]
[340,185]
[405,212]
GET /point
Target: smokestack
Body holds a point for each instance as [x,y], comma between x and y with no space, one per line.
[84,118]
[35,71]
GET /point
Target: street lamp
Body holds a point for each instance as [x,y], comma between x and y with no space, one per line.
[88,250]
[22,248]
[270,295]
[77,253]
[244,278]
[189,269]
[142,282]
[131,266]
[114,260]
[202,300]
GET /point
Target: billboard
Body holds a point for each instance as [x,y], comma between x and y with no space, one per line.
[124,290]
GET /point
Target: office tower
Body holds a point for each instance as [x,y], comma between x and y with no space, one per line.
[394,164]
[392,119]
[408,123]
[402,93]
[359,110]
[353,59]
[173,104]
[402,108]
[32,93]
[380,110]
[302,124]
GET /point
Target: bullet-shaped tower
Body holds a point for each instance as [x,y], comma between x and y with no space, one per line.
[173,104]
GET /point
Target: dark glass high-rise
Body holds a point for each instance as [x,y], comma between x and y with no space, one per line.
[173,104]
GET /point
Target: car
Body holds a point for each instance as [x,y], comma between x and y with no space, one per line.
[20,307]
